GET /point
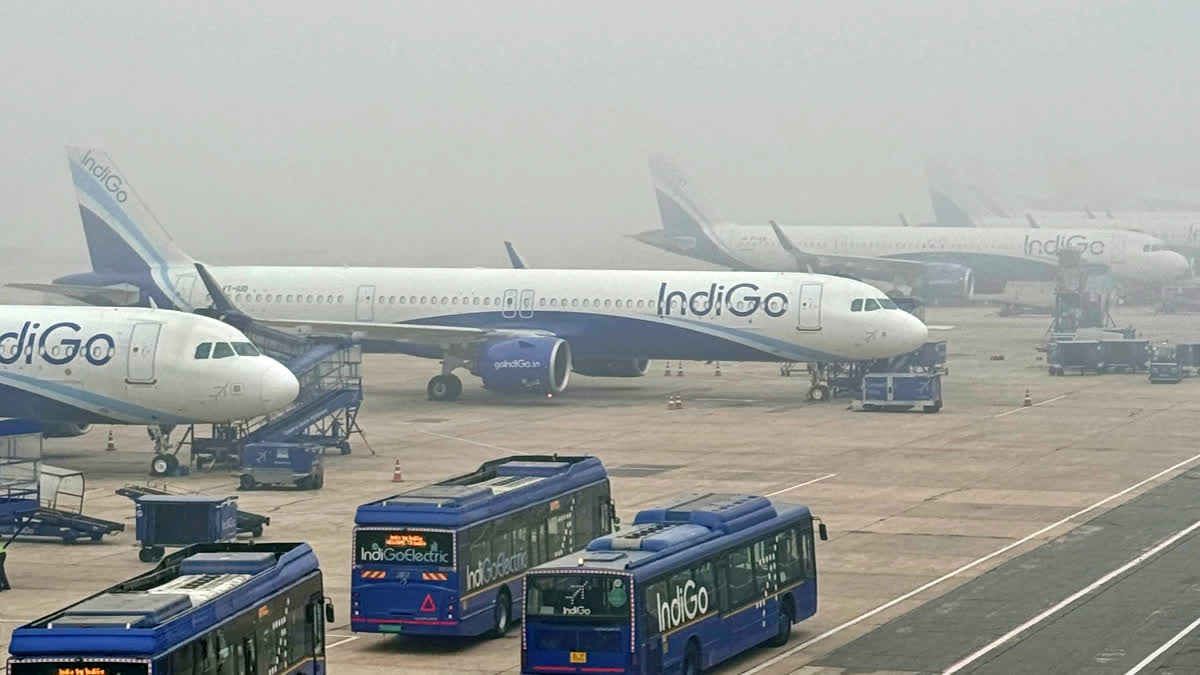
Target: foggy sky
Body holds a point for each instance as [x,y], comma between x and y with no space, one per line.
[405,133]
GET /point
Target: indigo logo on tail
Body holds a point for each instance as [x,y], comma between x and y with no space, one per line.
[106,177]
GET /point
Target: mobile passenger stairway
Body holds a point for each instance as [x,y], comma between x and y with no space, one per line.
[324,413]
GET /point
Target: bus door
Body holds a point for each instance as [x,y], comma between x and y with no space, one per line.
[808,310]
[143,345]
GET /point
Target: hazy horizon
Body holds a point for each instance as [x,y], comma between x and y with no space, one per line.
[412,134]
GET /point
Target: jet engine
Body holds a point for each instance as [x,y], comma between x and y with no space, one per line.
[612,367]
[63,430]
[947,282]
[538,365]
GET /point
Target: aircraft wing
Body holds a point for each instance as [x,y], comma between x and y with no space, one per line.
[124,295]
[399,332]
[863,266]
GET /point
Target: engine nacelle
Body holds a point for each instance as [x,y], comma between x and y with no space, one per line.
[537,365]
[63,430]
[947,282]
[612,367]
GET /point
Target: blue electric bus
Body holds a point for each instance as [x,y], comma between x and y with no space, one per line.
[447,558]
[209,609]
[687,586]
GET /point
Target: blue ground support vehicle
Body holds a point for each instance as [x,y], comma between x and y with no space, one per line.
[902,391]
[1081,355]
[278,463]
[172,520]
[1165,366]
[20,480]
[691,584]
[206,610]
[447,558]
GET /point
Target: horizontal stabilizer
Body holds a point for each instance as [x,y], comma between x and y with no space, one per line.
[122,295]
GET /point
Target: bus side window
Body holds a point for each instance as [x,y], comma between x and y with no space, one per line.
[249,665]
[787,558]
[501,543]
[656,596]
[558,527]
[740,569]
[537,543]
[705,577]
[763,582]
[316,615]
[520,540]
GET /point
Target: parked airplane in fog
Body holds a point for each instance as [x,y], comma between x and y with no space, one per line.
[70,367]
[519,330]
[946,261]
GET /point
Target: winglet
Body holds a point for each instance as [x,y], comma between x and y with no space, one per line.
[803,260]
[221,303]
[1032,222]
[514,257]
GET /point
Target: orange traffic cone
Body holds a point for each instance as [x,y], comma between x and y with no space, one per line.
[667,372]
[671,402]
[397,476]
[679,369]
[1028,399]
[718,373]
[678,402]
[111,446]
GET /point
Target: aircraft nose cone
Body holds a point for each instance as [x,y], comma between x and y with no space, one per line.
[1176,266]
[279,386]
[913,333]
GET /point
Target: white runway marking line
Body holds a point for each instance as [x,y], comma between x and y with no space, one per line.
[343,641]
[974,563]
[800,485]
[467,440]
[1017,410]
[15,620]
[1165,646]
[1070,599]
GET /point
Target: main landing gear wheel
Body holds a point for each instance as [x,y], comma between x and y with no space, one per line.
[164,465]
[819,393]
[444,388]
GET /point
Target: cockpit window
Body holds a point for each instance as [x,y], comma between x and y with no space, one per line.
[203,349]
[887,303]
[870,305]
[856,306]
[245,349]
[222,350]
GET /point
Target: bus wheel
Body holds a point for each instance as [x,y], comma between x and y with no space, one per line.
[784,633]
[503,614]
[691,658]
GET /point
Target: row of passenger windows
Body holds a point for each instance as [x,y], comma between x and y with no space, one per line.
[223,350]
[476,301]
[871,304]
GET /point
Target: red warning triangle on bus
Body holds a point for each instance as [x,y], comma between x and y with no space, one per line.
[427,605]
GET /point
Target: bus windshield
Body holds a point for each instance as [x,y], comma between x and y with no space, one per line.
[402,546]
[77,667]
[582,596]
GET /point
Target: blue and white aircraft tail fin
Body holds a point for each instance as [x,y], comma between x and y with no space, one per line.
[685,228]
[125,240]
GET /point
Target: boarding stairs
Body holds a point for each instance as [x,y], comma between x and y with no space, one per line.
[324,413]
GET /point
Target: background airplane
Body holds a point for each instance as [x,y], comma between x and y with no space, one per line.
[72,366]
[521,330]
[939,262]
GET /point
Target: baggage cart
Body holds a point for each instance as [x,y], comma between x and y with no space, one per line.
[177,521]
[1069,355]
[902,391]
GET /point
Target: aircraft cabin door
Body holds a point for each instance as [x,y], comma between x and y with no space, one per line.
[143,345]
[509,309]
[1118,248]
[364,304]
[526,307]
[808,310]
